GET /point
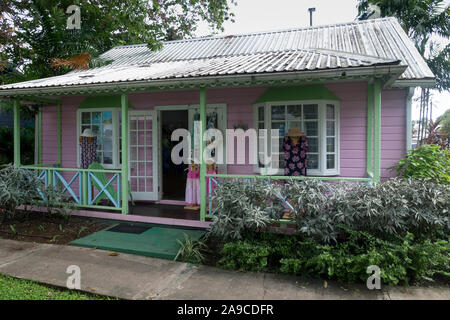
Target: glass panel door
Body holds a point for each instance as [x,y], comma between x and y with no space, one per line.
[215,119]
[142,158]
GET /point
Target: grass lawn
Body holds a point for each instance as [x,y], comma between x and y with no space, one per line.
[19,289]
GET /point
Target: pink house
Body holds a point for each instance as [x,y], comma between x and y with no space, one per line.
[348,87]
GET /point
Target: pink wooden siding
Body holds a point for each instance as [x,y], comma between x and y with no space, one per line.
[49,131]
[393,129]
[239,103]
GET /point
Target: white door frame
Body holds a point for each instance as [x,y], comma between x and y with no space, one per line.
[222,124]
[150,196]
[189,108]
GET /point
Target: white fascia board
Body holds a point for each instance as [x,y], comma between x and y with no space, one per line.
[214,81]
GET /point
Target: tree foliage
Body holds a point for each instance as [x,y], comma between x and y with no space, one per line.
[444,120]
[421,19]
[33,32]
[427,161]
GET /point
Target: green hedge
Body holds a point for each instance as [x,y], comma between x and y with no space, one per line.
[401,260]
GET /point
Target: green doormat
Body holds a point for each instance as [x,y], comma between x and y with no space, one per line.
[157,241]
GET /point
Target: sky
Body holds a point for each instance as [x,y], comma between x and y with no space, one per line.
[266,15]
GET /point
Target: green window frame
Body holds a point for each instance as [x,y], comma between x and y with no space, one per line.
[104,122]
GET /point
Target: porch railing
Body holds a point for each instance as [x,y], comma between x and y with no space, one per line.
[214,178]
[83,187]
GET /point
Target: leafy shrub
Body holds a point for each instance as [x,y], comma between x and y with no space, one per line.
[240,208]
[315,203]
[394,207]
[241,255]
[19,186]
[401,259]
[427,161]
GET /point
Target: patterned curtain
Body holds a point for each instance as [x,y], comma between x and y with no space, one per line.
[88,151]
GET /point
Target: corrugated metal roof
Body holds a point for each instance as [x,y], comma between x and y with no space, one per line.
[379,38]
[245,64]
[355,44]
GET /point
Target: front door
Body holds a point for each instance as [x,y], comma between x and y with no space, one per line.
[142,155]
[215,118]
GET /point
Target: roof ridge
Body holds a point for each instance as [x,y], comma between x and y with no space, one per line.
[259,32]
[336,53]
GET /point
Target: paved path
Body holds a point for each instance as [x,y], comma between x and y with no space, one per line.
[135,277]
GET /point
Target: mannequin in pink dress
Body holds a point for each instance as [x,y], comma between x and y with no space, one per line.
[193,187]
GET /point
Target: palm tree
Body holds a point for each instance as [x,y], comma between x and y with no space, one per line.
[424,21]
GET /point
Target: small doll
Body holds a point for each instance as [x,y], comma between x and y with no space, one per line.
[210,169]
[193,187]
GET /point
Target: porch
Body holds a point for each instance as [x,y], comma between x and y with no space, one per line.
[78,183]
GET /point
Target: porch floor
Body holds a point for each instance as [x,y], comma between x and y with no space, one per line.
[150,240]
[151,209]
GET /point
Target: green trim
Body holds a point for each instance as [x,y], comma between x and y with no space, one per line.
[103,102]
[96,207]
[58,135]
[71,169]
[124,105]
[16,132]
[84,187]
[202,148]
[246,176]
[369,143]
[84,198]
[311,92]
[377,131]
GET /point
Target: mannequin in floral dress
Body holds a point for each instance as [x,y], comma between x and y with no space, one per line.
[295,147]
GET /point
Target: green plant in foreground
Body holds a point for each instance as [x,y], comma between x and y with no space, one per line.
[190,250]
[21,289]
[19,186]
[244,256]
[427,161]
[81,231]
[13,230]
[402,260]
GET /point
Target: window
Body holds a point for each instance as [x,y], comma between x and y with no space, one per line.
[104,123]
[318,119]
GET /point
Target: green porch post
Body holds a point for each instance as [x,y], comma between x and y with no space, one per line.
[16,132]
[59,133]
[202,148]
[369,144]
[377,131]
[124,106]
